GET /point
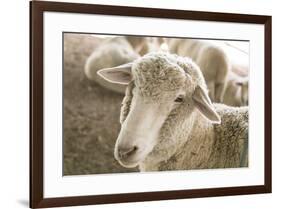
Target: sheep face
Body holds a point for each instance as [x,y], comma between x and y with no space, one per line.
[140,130]
[150,107]
[162,89]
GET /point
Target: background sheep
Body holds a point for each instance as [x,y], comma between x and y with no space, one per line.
[116,51]
[169,122]
[211,59]
[112,52]
[144,45]
[236,93]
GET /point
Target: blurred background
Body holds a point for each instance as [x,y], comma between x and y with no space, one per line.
[91,114]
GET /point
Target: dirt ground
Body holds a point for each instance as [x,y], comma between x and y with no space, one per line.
[91,114]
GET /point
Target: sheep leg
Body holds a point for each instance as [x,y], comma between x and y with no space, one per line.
[219,92]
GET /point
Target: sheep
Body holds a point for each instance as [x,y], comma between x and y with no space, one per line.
[211,59]
[112,52]
[144,45]
[236,93]
[116,51]
[168,121]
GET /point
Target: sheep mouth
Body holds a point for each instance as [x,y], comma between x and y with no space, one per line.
[130,158]
[127,163]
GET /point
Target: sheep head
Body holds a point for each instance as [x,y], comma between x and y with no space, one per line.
[164,86]
[244,85]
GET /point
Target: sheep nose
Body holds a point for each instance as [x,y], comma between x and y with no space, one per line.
[125,152]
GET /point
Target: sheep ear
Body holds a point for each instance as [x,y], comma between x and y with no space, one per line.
[118,75]
[204,105]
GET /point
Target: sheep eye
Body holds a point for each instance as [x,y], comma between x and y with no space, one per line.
[179,99]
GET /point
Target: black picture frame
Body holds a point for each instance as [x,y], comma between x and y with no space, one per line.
[37,8]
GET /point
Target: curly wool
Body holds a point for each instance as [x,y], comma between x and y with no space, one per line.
[187,140]
[158,71]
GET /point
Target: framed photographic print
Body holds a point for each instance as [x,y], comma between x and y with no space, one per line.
[139,104]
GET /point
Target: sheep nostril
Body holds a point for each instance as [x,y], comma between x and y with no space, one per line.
[126,152]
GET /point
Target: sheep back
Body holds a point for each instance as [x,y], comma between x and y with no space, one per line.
[230,147]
